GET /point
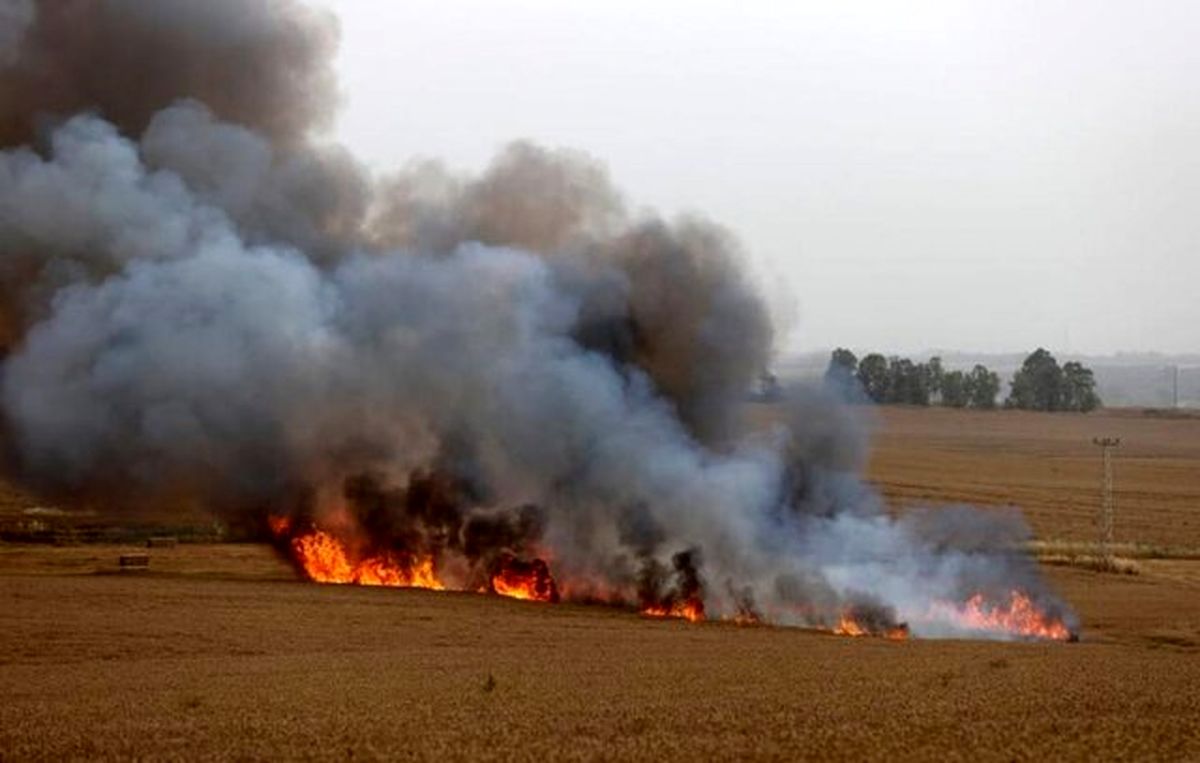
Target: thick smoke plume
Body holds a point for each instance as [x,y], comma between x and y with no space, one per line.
[203,303]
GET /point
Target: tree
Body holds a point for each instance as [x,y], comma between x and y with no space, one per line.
[843,366]
[1078,388]
[1038,384]
[954,389]
[1041,385]
[982,386]
[908,382]
[873,376]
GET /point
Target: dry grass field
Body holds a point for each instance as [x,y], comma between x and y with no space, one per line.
[1046,465]
[217,652]
[217,655]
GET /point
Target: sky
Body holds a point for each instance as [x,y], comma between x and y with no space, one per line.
[903,176]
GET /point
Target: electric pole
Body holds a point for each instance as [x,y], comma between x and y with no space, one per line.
[1107,500]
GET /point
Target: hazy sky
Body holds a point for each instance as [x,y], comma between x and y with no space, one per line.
[904,175]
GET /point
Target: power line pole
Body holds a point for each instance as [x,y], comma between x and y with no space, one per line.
[1107,500]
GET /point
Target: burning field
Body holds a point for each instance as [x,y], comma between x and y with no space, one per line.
[217,652]
[504,384]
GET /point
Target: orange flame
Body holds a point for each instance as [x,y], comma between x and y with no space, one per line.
[324,559]
[848,626]
[279,525]
[517,588]
[1017,616]
[691,610]
[525,580]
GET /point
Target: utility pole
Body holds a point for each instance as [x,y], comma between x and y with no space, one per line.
[1107,500]
[1175,387]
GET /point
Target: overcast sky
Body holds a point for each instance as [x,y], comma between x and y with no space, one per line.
[904,175]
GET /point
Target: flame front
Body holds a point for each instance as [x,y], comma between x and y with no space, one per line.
[691,610]
[518,588]
[1016,616]
[325,559]
[524,580]
[848,626]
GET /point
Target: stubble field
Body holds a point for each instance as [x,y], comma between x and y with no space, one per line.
[218,652]
[1047,465]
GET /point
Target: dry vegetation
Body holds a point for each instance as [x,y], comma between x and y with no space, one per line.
[180,664]
[1046,465]
[217,652]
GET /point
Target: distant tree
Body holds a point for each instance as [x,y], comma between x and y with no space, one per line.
[1078,388]
[982,387]
[843,366]
[841,376]
[954,389]
[873,376]
[908,382]
[1038,384]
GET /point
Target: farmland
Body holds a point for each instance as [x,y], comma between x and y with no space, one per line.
[1046,465]
[217,651]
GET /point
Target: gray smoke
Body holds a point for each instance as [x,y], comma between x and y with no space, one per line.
[204,304]
[263,64]
[15,18]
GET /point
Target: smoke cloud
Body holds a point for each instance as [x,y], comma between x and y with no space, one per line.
[204,304]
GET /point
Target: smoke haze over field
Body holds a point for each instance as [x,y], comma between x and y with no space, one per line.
[206,304]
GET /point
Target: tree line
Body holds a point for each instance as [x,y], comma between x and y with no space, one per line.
[1040,384]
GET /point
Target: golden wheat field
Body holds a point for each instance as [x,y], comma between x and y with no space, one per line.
[1047,465]
[218,652]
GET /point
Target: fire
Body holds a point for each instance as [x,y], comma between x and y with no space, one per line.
[1017,616]
[325,559]
[279,525]
[519,579]
[691,610]
[848,626]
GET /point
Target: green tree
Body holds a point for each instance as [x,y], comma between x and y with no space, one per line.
[908,382]
[843,365]
[982,387]
[873,376]
[1038,384]
[954,389]
[1078,388]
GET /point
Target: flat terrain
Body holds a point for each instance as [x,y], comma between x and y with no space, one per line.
[217,652]
[219,655]
[1046,465]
